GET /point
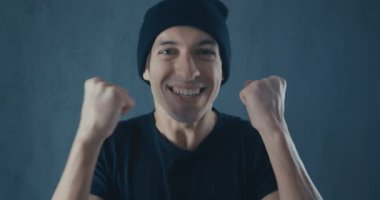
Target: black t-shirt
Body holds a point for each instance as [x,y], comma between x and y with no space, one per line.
[138,163]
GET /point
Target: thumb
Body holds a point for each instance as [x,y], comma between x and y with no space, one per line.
[243,92]
[242,96]
[129,104]
[247,82]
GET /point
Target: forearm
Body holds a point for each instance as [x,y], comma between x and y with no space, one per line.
[292,178]
[77,176]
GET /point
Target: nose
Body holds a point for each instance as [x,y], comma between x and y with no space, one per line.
[186,67]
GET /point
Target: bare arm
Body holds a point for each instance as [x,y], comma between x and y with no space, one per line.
[102,107]
[93,197]
[264,100]
[76,179]
[292,178]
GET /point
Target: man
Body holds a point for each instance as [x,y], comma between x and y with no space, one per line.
[185,149]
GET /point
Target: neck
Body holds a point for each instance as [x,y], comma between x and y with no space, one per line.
[185,135]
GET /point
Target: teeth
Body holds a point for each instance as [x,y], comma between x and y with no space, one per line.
[186,92]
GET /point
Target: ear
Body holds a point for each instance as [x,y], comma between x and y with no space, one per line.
[146,74]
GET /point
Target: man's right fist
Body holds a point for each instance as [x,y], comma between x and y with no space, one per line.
[103,105]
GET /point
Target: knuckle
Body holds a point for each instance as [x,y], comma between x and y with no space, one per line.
[242,93]
[88,82]
[259,84]
[275,78]
[283,82]
[100,85]
[114,92]
[111,90]
[94,82]
[255,88]
[96,79]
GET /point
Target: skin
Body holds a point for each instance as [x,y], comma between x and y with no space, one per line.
[103,104]
[185,61]
[264,100]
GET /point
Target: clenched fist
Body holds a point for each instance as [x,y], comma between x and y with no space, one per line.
[264,100]
[103,105]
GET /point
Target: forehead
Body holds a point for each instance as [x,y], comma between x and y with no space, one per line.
[184,35]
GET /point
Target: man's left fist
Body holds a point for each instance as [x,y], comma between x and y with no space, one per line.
[264,100]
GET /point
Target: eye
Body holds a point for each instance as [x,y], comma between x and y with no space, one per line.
[206,53]
[167,52]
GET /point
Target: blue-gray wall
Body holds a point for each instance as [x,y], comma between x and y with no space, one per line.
[328,50]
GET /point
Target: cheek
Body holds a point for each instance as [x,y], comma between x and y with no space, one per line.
[159,72]
[220,73]
[216,72]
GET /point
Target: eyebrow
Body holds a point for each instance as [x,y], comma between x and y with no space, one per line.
[201,43]
[167,42]
[207,42]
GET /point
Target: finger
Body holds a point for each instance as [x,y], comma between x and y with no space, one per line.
[129,104]
[247,82]
[284,83]
[242,96]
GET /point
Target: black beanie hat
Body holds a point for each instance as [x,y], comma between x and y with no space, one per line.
[206,15]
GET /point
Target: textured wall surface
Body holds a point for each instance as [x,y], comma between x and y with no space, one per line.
[328,51]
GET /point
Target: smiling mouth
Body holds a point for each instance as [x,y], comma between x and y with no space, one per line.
[186,92]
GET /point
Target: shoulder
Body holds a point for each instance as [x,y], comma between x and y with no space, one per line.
[242,130]
[237,124]
[129,129]
[133,123]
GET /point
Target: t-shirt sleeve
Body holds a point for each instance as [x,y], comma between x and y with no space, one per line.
[101,181]
[262,180]
[265,180]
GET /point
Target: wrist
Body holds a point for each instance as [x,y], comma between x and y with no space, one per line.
[88,137]
[273,129]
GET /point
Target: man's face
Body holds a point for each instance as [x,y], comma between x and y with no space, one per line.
[185,72]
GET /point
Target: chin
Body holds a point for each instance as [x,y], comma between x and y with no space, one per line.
[185,117]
